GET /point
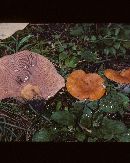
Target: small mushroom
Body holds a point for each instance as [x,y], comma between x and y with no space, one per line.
[121,77]
[30,91]
[28,75]
[8,29]
[83,85]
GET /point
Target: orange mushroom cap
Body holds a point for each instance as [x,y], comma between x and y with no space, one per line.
[83,85]
[126,73]
[119,77]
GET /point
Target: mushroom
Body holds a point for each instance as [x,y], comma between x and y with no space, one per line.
[121,77]
[28,75]
[83,85]
[8,29]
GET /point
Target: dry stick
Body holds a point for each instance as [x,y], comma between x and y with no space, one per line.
[13,126]
[7,116]
[30,125]
[84,128]
[38,114]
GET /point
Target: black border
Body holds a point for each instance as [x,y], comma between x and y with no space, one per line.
[46,11]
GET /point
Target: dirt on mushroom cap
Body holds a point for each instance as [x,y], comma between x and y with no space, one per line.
[119,77]
[83,85]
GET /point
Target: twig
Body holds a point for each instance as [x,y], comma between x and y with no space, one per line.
[38,114]
[13,125]
[84,128]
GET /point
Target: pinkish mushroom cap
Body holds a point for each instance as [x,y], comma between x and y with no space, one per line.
[25,72]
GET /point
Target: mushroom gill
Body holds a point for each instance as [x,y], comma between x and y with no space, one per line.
[83,85]
[26,74]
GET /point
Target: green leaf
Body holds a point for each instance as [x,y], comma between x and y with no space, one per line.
[58,105]
[123,50]
[85,121]
[108,42]
[116,45]
[77,109]
[114,102]
[63,56]
[97,118]
[125,137]
[89,56]
[93,38]
[126,44]
[74,47]
[63,118]
[112,51]
[87,112]
[77,31]
[64,45]
[61,49]
[93,105]
[106,51]
[79,105]
[71,62]
[110,129]
[117,31]
[8,48]
[90,139]
[56,36]
[42,136]
[24,40]
[80,136]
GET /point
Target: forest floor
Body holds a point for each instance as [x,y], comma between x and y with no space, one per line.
[63,118]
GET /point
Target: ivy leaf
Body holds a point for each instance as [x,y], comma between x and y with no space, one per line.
[93,38]
[63,118]
[63,56]
[85,121]
[93,105]
[77,31]
[90,139]
[71,62]
[89,56]
[97,118]
[114,102]
[61,49]
[123,50]
[110,129]
[77,109]
[80,136]
[124,137]
[87,112]
[106,51]
[58,105]
[116,45]
[126,44]
[112,51]
[42,136]
[117,31]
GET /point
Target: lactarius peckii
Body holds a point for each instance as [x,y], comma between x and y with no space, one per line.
[122,78]
[85,86]
[28,75]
